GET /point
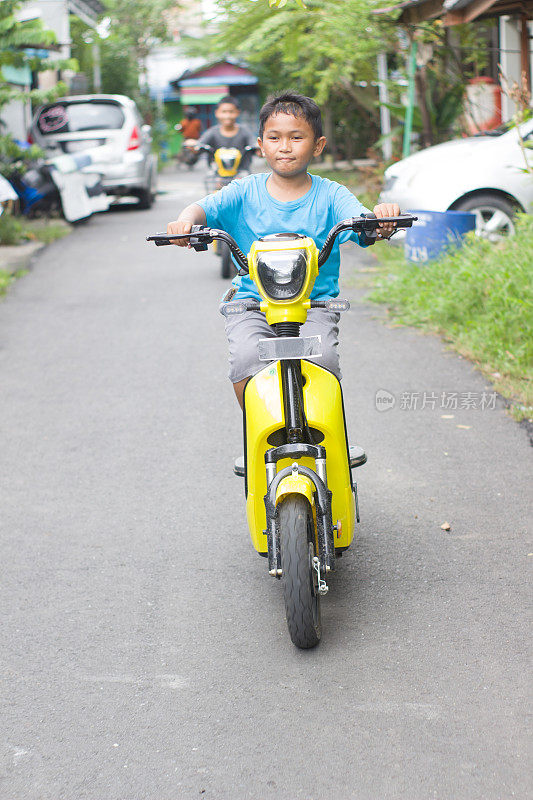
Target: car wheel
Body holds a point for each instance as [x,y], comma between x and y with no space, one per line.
[494,215]
[146,198]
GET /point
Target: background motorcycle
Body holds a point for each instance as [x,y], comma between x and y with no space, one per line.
[188,154]
[225,166]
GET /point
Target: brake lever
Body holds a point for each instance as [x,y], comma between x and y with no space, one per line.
[197,243]
[160,239]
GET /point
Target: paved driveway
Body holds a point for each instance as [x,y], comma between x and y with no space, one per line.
[144,650]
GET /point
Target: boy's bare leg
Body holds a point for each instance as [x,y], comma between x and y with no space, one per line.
[239,390]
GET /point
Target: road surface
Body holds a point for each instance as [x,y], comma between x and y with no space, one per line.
[144,653]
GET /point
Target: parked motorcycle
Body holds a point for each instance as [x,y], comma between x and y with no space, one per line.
[301,501]
[68,184]
[188,154]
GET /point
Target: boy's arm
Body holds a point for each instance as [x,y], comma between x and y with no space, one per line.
[347,205]
[191,215]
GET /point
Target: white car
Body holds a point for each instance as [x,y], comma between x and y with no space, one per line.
[102,123]
[485,174]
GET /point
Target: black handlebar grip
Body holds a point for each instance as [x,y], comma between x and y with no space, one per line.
[368,235]
[159,239]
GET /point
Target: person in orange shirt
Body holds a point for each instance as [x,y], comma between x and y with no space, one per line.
[190,126]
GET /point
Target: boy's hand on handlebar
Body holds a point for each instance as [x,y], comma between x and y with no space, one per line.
[179,227]
[386,210]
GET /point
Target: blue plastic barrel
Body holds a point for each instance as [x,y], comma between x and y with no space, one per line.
[435,231]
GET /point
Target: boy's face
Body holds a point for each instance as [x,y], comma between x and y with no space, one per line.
[227,114]
[289,144]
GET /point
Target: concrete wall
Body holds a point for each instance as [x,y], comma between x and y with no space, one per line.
[17,118]
[55,16]
[510,58]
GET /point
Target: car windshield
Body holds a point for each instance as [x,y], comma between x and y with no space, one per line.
[77,117]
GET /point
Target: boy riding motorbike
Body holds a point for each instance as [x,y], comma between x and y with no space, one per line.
[286,199]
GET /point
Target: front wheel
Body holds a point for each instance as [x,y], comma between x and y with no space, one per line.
[226,262]
[299,578]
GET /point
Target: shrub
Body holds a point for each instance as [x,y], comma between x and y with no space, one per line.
[479,296]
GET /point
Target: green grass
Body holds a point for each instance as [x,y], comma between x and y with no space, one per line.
[12,229]
[7,278]
[479,298]
[16,230]
[47,230]
[354,180]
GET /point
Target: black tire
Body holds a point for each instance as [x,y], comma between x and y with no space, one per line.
[494,214]
[226,268]
[147,196]
[299,579]
[146,199]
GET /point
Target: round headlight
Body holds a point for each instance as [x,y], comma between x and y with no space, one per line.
[282,272]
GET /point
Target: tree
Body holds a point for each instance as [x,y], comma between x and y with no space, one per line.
[446,60]
[329,50]
[325,49]
[139,25]
[16,39]
[118,67]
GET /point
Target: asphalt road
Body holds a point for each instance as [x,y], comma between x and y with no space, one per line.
[144,651]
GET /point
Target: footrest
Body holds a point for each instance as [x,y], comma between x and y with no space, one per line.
[356,456]
[238,467]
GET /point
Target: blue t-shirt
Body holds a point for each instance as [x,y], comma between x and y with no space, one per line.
[247,211]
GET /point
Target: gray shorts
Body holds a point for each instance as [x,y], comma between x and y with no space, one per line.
[245,330]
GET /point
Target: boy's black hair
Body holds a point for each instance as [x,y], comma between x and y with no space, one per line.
[229,99]
[292,103]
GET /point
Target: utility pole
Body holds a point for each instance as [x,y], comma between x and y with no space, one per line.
[97,73]
[384,112]
[411,101]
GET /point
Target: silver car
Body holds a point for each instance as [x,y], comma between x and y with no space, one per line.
[108,121]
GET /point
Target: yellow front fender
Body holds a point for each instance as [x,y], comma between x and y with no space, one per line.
[296,484]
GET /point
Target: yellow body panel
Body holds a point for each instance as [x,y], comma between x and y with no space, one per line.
[324,411]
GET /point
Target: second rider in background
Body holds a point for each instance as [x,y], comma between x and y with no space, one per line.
[228,132]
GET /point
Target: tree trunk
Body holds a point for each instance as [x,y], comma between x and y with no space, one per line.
[421,90]
[329,131]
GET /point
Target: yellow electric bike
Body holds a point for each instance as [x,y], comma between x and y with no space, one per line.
[225,166]
[301,501]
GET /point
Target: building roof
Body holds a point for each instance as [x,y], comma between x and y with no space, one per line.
[455,12]
[227,73]
[90,9]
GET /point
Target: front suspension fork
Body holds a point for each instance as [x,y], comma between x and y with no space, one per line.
[326,546]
